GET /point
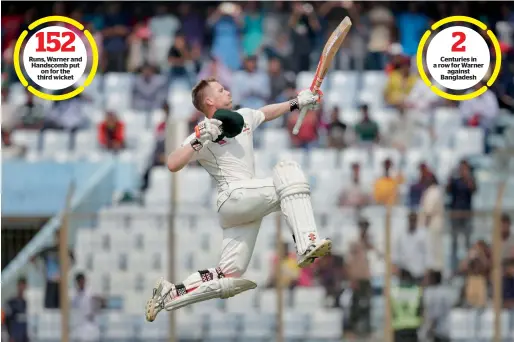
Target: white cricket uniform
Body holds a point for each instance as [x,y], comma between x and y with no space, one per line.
[243,200]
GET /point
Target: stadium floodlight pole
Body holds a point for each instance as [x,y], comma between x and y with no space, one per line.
[171,144]
[64,261]
[279,287]
[388,329]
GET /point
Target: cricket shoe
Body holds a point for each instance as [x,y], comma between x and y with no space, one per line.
[162,294]
[316,250]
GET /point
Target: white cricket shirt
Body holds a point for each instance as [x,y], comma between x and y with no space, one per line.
[231,159]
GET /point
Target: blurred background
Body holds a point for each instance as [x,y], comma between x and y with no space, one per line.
[413,189]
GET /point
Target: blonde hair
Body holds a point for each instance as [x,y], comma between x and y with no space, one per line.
[198,93]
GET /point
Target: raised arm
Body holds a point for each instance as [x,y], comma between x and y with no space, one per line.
[305,98]
[206,131]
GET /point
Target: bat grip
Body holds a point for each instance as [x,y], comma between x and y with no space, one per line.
[314,88]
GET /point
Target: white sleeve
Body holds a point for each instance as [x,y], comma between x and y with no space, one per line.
[253,117]
[188,141]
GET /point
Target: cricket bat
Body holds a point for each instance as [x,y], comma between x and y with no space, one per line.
[329,51]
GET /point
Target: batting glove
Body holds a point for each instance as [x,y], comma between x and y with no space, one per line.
[306,98]
[205,131]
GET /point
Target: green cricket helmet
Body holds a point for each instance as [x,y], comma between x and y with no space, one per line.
[232,123]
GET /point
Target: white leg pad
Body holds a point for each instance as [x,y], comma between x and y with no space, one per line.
[295,201]
[218,288]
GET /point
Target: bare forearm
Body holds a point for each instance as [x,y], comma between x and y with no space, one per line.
[275,110]
[180,158]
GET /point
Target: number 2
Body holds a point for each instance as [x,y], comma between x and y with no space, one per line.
[457,46]
[53,43]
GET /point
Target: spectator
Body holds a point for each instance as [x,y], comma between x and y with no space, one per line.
[461,187]
[508,285]
[382,24]
[431,217]
[337,133]
[252,86]
[437,308]
[330,273]
[505,83]
[476,267]
[225,22]
[50,257]
[304,26]
[178,59]
[16,315]
[32,113]
[115,33]
[139,46]
[386,187]
[275,26]
[359,275]
[9,117]
[355,195]
[407,294]
[253,31]
[367,130]
[411,251]
[215,68]
[192,24]
[399,85]
[307,137]
[149,90]
[84,309]
[282,83]
[163,23]
[111,133]
[417,189]
[411,26]
[289,270]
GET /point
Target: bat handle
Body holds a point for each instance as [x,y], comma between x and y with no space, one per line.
[296,129]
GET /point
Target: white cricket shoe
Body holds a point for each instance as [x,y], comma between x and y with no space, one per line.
[316,250]
[160,296]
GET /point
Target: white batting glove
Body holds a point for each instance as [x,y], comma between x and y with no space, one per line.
[306,98]
[206,131]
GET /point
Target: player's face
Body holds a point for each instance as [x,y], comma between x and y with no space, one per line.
[220,97]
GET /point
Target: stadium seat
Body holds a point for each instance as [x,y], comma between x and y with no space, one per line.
[486,329]
[326,325]
[28,138]
[275,139]
[189,326]
[322,159]
[222,327]
[295,325]
[297,155]
[354,155]
[463,324]
[257,327]
[306,299]
[469,142]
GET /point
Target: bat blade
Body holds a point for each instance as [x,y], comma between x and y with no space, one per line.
[332,45]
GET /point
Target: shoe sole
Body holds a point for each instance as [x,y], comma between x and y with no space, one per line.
[150,309]
[318,252]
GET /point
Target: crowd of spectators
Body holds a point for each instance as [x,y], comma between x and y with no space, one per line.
[269,43]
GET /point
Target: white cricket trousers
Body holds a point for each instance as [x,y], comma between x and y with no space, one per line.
[241,210]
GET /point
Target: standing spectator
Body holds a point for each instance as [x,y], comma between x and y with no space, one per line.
[214,68]
[179,57]
[226,22]
[382,24]
[192,24]
[164,23]
[330,273]
[367,130]
[31,113]
[337,131]
[282,83]
[476,268]
[289,270]
[304,25]
[407,308]
[16,315]
[505,83]
[411,26]
[359,275]
[307,137]
[437,308]
[386,187]
[399,85]
[354,195]
[417,189]
[149,90]
[253,31]
[115,34]
[251,86]
[84,308]
[431,217]
[461,187]
[50,258]
[507,237]
[411,251]
[111,133]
